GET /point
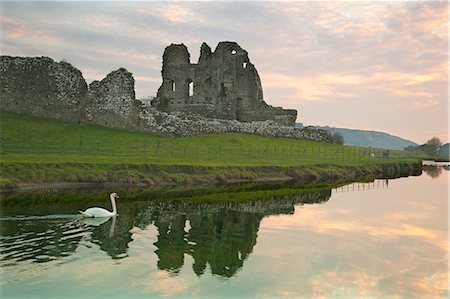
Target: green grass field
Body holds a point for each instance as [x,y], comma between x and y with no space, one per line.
[36,140]
[36,149]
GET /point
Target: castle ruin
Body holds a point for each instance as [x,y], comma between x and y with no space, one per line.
[222,93]
[224,84]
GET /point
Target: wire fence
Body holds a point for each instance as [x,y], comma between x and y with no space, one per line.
[190,151]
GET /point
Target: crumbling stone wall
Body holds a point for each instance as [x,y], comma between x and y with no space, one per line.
[112,101]
[42,87]
[223,84]
[182,125]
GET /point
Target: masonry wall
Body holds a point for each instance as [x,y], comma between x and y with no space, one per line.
[42,87]
[112,101]
[223,84]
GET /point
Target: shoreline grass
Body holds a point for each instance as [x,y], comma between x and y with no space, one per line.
[35,150]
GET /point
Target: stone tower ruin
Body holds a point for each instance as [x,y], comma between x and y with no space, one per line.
[224,84]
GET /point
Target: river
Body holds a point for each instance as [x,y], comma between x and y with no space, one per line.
[387,238]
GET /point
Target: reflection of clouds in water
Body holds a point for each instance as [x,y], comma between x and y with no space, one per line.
[359,244]
[349,264]
[164,284]
[368,244]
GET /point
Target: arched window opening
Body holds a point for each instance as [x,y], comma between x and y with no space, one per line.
[173,85]
[191,88]
[233,52]
[244,65]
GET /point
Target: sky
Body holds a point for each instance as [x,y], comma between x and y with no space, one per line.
[372,65]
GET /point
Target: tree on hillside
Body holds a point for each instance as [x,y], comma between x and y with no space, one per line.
[338,138]
[434,142]
[432,146]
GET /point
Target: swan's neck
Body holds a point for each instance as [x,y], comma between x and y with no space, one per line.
[113,203]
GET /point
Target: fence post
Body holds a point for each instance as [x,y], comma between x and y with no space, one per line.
[157,149]
[145,147]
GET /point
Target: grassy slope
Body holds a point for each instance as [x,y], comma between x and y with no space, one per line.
[42,150]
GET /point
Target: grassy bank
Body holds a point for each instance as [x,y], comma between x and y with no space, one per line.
[35,150]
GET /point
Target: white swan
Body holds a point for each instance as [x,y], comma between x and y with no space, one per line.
[100,212]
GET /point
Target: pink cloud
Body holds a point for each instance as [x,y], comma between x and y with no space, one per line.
[12,29]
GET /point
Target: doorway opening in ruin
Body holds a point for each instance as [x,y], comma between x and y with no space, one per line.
[239,109]
[191,87]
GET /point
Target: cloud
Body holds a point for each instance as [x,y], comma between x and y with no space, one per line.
[320,86]
[176,13]
[11,29]
[303,88]
[317,53]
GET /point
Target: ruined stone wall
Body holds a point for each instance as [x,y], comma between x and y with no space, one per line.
[112,102]
[182,125]
[42,87]
[223,84]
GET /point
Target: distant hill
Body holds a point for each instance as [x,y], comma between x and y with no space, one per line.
[444,150]
[370,138]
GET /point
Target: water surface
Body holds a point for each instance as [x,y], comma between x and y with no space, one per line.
[380,239]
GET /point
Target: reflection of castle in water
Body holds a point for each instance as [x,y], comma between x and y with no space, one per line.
[221,235]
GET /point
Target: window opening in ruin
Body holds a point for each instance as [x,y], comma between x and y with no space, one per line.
[222,92]
[244,65]
[233,52]
[173,85]
[239,109]
[191,88]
